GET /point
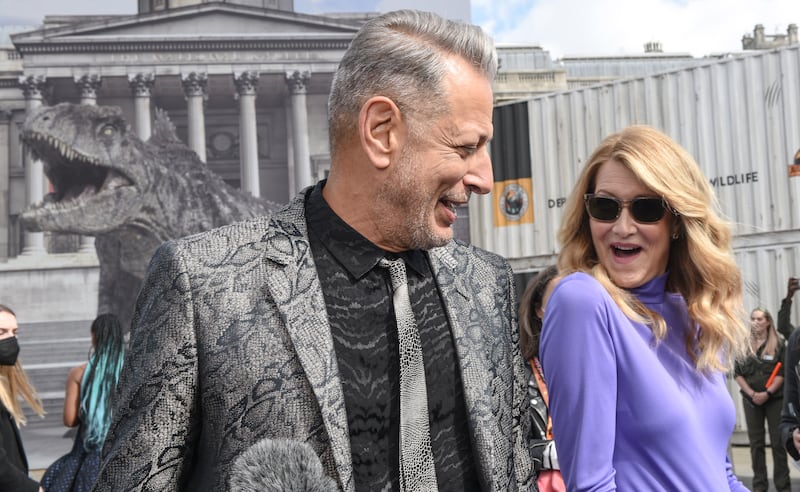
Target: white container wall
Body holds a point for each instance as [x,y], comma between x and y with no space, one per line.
[739,117]
[765,273]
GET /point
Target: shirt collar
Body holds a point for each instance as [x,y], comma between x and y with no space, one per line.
[355,252]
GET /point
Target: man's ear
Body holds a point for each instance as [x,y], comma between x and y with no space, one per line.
[380,128]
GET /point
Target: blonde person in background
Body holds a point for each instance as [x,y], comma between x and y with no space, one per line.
[14,386]
[760,379]
[642,329]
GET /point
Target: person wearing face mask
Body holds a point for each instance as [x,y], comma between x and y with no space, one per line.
[14,385]
[643,328]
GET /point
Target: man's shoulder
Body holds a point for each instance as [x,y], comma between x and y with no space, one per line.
[287,220]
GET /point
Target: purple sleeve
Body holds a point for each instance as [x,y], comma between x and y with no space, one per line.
[580,366]
[734,483]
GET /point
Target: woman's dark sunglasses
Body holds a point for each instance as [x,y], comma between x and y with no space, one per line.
[645,210]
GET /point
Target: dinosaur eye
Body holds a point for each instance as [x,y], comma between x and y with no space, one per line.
[108,130]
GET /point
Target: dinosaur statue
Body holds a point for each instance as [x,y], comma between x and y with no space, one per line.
[129,194]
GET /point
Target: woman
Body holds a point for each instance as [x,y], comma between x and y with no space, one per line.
[14,385]
[760,378]
[531,311]
[89,393]
[639,334]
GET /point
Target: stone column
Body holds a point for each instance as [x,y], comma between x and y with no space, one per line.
[246,83]
[33,87]
[88,85]
[141,85]
[290,151]
[194,88]
[5,133]
[298,87]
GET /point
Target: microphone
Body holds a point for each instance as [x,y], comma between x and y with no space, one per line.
[279,465]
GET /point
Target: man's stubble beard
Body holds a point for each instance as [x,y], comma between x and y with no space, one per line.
[405,192]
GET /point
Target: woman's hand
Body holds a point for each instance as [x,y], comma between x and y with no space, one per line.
[760,397]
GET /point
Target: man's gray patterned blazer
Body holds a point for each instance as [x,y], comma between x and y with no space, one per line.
[230,345]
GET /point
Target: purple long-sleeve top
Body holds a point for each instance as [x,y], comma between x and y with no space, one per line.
[629,413]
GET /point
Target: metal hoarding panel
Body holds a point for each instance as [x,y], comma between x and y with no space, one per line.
[765,273]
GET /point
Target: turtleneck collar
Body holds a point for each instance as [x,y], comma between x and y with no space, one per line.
[653,291]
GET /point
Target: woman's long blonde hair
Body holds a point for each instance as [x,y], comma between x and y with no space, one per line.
[701,265]
[771,345]
[14,384]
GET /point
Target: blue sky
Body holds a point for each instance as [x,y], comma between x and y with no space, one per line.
[563,27]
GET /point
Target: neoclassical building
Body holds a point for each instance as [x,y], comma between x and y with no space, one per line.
[245,82]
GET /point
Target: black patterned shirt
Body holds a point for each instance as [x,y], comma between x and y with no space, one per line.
[358,298]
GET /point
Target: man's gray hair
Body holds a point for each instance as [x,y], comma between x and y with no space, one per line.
[402,55]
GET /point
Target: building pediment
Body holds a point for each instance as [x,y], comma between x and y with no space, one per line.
[212,22]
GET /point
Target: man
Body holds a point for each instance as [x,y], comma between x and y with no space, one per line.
[284,326]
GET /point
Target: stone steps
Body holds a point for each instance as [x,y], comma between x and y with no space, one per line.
[48,351]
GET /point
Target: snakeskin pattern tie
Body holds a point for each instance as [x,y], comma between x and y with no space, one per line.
[417,471]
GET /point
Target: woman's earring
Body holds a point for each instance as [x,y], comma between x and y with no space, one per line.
[675,236]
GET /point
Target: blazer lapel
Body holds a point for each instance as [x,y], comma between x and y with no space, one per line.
[296,291]
[467,324]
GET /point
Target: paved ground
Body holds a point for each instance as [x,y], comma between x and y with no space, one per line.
[44,444]
[741,466]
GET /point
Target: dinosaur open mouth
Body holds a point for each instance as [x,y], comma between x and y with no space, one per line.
[73,175]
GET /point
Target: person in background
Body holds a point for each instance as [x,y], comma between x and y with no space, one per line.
[88,401]
[291,326]
[14,386]
[760,379]
[531,312]
[790,419]
[785,327]
[641,331]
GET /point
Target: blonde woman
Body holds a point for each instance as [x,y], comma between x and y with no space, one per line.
[639,334]
[14,385]
[760,379]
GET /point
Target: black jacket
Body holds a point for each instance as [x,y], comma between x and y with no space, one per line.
[13,463]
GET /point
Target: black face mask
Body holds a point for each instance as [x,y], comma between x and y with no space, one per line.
[9,350]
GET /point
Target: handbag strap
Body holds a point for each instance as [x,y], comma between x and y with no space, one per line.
[536,367]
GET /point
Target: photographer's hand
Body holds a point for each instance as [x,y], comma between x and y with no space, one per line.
[794,286]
